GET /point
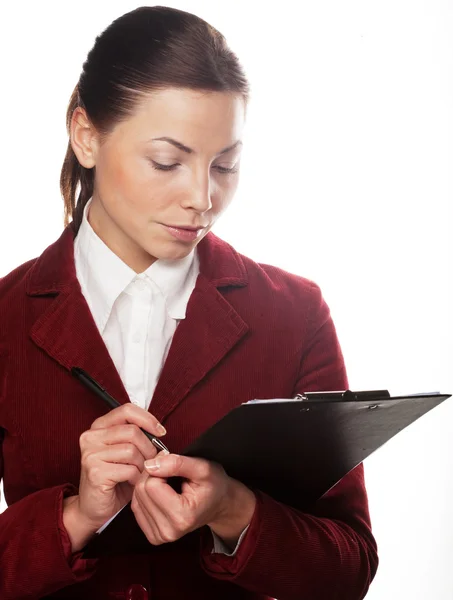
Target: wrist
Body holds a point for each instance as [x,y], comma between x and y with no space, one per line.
[78,529]
[235,513]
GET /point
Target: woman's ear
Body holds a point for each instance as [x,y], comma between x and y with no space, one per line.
[84,138]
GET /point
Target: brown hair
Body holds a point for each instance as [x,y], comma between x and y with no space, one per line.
[147,49]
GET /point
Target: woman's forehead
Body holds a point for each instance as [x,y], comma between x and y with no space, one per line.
[187,116]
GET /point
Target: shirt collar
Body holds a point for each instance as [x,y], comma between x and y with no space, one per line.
[104,276]
[176,280]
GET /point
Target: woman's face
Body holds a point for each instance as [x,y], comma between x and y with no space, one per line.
[163,176]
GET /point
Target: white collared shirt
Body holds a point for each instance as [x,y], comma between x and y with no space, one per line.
[136,314]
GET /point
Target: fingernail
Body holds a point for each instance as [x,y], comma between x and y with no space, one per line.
[161,429]
[152,465]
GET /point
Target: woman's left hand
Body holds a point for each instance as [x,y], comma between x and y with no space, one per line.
[208,497]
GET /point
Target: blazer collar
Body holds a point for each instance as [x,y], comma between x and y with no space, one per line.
[54,271]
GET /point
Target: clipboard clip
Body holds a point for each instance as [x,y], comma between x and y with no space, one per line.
[344,396]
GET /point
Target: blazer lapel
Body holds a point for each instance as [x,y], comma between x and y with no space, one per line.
[209,331]
[65,329]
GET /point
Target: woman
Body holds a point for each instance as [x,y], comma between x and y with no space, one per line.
[180,329]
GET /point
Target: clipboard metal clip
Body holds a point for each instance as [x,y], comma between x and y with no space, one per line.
[344,396]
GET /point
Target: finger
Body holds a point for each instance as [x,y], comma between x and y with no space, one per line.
[146,524]
[155,492]
[145,491]
[162,518]
[125,433]
[149,487]
[109,474]
[130,413]
[126,454]
[147,497]
[175,465]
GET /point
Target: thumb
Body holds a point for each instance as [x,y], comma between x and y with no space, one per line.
[175,465]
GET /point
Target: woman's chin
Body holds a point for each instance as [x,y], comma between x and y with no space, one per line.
[170,251]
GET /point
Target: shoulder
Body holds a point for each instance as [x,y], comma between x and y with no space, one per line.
[13,304]
[275,303]
[48,272]
[279,279]
[282,287]
[264,293]
[224,265]
[15,281]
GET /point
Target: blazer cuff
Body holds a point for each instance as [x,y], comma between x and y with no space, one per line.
[33,527]
[223,565]
[81,568]
[221,548]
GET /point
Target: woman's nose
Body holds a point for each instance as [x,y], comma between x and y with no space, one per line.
[199,196]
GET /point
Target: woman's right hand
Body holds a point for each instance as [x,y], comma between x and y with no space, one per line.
[113,452]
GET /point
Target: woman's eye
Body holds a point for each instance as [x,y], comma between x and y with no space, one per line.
[160,167]
[221,169]
[172,167]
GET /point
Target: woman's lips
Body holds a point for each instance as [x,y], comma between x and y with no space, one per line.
[183,234]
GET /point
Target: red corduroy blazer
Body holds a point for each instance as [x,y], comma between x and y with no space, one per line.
[251,331]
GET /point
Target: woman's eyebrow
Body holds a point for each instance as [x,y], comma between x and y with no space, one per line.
[188,150]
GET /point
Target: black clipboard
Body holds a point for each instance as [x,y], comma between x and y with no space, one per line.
[295,450]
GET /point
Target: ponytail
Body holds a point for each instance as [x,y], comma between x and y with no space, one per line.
[74,175]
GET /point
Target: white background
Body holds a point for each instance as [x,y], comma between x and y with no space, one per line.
[346,179]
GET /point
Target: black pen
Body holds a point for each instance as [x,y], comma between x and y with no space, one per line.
[94,386]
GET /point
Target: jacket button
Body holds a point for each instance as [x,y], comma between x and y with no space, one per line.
[136,592]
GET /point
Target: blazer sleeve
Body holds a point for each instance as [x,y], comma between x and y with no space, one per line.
[35,550]
[329,553]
